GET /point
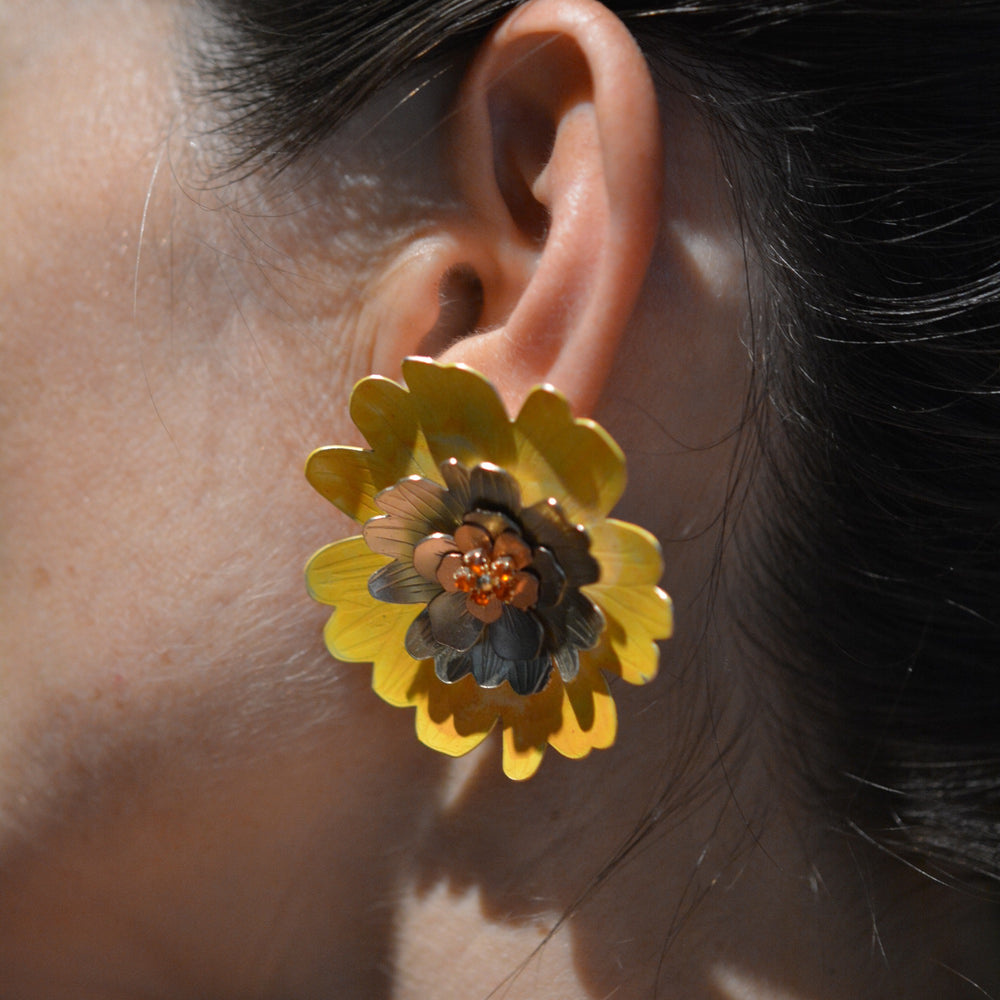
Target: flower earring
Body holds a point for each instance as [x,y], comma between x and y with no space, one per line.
[488,583]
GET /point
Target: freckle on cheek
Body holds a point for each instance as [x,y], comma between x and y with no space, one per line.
[41,578]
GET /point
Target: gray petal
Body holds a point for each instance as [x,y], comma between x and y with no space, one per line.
[419,641]
[530,676]
[517,635]
[567,662]
[400,583]
[451,624]
[546,525]
[423,501]
[451,665]
[551,578]
[491,487]
[488,669]
[491,670]
[584,621]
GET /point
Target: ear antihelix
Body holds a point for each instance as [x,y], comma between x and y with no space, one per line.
[557,151]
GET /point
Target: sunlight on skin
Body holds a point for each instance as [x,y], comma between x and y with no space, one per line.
[737,985]
[480,954]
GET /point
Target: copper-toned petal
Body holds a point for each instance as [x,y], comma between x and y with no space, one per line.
[456,478]
[451,624]
[447,568]
[493,488]
[552,580]
[516,636]
[428,554]
[400,583]
[422,501]
[525,591]
[393,536]
[492,521]
[472,536]
[486,613]
[510,543]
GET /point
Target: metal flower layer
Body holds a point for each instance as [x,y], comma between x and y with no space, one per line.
[489,584]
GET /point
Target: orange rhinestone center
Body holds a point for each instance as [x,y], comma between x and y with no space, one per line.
[481,577]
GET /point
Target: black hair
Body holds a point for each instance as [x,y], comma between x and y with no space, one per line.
[869,137]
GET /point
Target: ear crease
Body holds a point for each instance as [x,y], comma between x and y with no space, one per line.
[460,307]
[523,138]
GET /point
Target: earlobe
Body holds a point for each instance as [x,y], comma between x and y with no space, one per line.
[556,151]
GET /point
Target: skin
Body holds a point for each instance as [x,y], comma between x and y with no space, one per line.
[195,799]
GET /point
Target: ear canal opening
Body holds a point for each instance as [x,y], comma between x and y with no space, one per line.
[460,305]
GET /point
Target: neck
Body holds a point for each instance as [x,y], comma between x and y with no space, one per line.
[569,887]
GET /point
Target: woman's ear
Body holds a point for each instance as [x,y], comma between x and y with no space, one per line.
[555,150]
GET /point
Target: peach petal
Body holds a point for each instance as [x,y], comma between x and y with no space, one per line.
[447,568]
[525,594]
[511,544]
[487,613]
[471,536]
[428,554]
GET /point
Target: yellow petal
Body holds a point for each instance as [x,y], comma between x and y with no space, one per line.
[345,477]
[520,761]
[460,413]
[384,412]
[528,724]
[339,572]
[453,718]
[589,717]
[394,676]
[634,618]
[636,612]
[628,555]
[365,632]
[576,461]
[361,629]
